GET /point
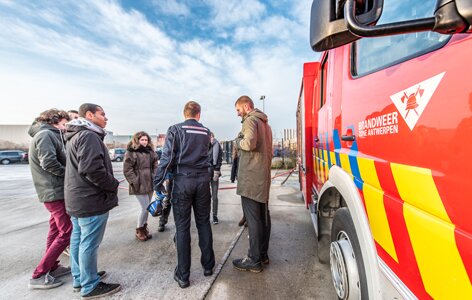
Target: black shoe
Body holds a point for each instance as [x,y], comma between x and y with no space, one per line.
[247,264]
[183,284]
[103,289]
[265,259]
[242,222]
[161,228]
[208,272]
[215,220]
[101,274]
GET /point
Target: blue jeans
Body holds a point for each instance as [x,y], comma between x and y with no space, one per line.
[87,234]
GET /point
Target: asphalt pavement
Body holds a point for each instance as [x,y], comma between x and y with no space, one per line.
[145,269]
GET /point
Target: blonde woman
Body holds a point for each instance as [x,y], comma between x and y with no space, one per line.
[139,168]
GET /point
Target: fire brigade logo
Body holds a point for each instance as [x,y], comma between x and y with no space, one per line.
[411,102]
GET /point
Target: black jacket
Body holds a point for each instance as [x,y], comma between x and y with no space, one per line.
[90,187]
[185,151]
[47,160]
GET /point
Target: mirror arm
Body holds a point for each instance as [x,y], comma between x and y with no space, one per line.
[360,30]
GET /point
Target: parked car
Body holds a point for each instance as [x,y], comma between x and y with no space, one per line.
[13,156]
[117,154]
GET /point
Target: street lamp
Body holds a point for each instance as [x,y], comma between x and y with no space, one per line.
[262,98]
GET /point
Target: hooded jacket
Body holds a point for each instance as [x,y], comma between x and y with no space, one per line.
[139,168]
[47,160]
[254,144]
[90,187]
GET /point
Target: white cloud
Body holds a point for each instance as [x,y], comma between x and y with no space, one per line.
[140,74]
[172,7]
[235,12]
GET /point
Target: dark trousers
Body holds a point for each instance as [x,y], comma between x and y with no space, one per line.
[60,229]
[188,192]
[214,196]
[259,225]
[234,169]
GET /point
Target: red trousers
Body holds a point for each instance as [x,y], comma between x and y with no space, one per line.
[60,229]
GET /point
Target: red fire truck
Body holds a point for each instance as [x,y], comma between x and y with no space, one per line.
[385,146]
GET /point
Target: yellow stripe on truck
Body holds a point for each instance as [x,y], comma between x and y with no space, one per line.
[344,158]
[416,187]
[374,202]
[440,264]
[431,234]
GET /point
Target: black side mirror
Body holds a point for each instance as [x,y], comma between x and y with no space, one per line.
[446,20]
[328,29]
[339,22]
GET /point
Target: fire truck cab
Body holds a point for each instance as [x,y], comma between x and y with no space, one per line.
[384,124]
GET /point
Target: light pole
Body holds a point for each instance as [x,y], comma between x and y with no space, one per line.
[262,98]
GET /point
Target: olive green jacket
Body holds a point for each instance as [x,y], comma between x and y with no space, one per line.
[254,144]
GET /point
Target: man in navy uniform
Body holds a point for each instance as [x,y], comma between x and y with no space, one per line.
[185,155]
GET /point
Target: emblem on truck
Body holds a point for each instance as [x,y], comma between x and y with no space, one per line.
[412,101]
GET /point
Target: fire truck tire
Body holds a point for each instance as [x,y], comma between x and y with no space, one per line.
[346,263]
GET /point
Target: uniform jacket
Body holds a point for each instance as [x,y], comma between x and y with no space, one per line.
[185,151]
[90,187]
[139,168]
[255,156]
[47,160]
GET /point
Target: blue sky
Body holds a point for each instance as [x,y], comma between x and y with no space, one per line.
[142,60]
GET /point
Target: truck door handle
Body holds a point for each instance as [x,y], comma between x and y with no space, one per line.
[348,138]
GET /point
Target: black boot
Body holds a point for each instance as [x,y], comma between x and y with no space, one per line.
[247,264]
[162,223]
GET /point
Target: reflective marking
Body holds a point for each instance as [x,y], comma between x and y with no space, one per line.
[440,264]
[197,132]
[374,202]
[416,187]
[333,157]
[345,163]
[195,127]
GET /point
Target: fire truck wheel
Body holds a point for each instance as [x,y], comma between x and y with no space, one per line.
[347,266]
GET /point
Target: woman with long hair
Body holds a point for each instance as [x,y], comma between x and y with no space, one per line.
[139,168]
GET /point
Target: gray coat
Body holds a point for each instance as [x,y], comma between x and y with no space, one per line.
[255,156]
[47,160]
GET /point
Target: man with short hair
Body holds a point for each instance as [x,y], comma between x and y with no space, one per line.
[185,155]
[254,144]
[91,192]
[216,157]
[47,160]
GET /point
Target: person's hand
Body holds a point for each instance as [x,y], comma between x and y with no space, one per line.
[216,175]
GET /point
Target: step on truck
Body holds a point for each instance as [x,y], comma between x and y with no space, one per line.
[384,125]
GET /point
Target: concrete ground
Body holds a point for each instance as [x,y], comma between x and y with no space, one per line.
[145,269]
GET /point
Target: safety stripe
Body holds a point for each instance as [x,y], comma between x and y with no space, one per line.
[197,132]
[443,273]
[374,202]
[337,146]
[344,158]
[195,127]
[432,234]
[328,157]
[416,187]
